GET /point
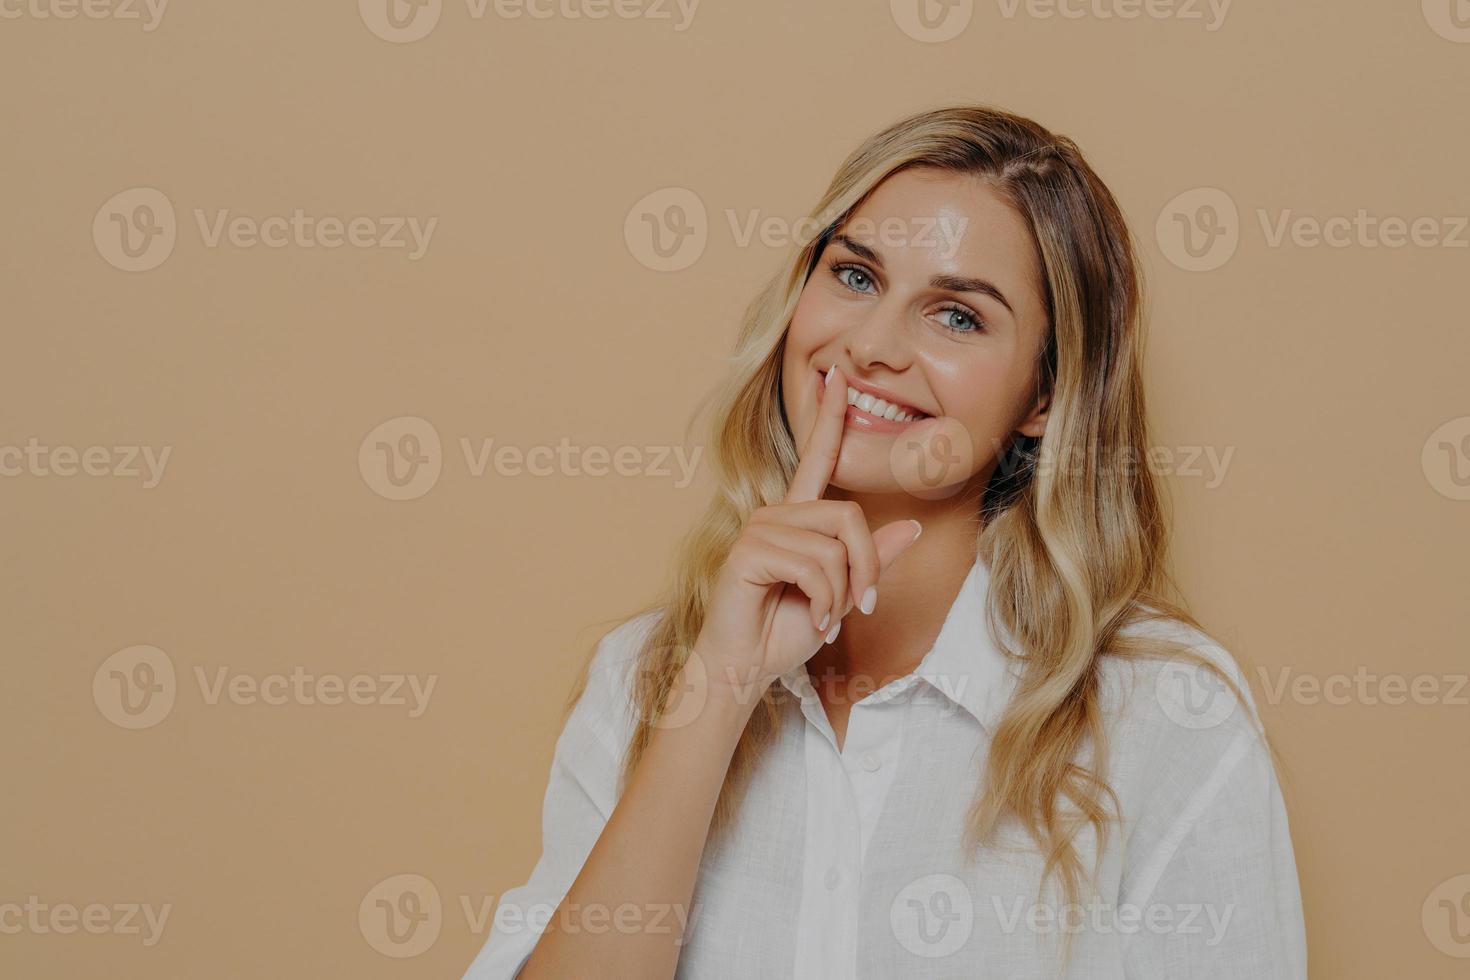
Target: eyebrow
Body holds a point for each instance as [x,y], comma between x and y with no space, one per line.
[957,284]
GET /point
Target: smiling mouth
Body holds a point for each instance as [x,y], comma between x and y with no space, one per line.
[868,410]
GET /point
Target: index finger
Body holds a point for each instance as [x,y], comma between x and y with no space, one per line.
[819,458]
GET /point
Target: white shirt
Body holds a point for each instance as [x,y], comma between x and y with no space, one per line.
[848,864]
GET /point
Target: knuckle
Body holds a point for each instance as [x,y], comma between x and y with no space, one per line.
[814,570]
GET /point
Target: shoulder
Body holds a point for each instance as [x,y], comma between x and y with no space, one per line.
[1185,685]
[606,695]
[1186,746]
[622,645]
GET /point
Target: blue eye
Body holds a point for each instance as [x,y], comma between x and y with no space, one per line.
[969,322]
[856,281]
[956,319]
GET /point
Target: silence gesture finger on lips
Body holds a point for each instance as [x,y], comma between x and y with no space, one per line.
[799,566]
[814,474]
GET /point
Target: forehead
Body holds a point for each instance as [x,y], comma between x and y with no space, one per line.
[935,221]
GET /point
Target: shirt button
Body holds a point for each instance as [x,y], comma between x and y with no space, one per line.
[871,762]
[833,875]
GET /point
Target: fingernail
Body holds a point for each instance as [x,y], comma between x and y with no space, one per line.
[918,530]
[825,620]
[828,379]
[870,599]
[833,634]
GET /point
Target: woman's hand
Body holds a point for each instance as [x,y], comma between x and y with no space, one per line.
[798,567]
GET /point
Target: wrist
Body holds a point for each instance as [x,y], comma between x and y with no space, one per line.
[710,684]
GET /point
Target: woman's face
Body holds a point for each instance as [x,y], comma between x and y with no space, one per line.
[929,297]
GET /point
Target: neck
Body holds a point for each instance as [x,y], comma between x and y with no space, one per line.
[914,594]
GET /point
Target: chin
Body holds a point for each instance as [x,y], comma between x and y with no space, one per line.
[866,472]
[866,484]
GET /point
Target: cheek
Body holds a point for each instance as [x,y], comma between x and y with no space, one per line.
[982,394]
[814,325]
[802,341]
[815,321]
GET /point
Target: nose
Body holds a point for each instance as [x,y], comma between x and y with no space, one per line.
[880,337]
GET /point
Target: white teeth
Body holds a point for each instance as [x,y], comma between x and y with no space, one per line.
[877,406]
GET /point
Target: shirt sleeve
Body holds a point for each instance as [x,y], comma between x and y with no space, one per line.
[1215,893]
[581,792]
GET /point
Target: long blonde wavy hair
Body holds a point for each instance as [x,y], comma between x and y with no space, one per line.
[1074,542]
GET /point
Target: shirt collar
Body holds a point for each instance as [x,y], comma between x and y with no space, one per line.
[964,666]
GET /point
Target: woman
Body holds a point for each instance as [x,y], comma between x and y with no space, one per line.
[841,747]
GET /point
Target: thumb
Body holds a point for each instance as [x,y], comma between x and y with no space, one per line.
[892,540]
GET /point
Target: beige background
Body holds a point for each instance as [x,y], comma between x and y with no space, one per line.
[1334,542]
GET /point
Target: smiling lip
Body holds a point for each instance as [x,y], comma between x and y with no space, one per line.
[858,418]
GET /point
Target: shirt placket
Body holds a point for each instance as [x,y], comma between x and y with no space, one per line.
[845,793]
